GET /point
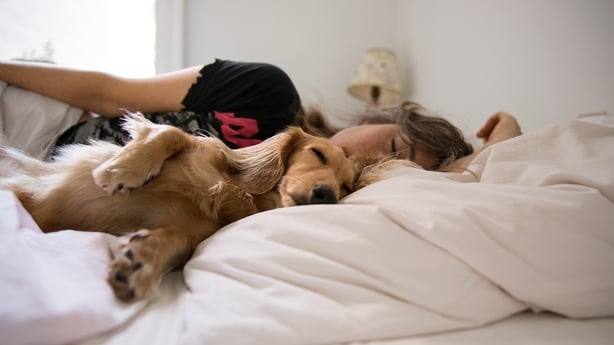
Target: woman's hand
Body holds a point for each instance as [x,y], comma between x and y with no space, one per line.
[499,127]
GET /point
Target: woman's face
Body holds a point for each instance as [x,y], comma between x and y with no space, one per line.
[381,139]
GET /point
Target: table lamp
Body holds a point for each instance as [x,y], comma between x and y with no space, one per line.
[377,79]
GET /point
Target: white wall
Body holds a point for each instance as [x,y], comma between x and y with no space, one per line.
[319,43]
[542,60]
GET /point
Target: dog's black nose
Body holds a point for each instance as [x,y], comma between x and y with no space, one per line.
[322,194]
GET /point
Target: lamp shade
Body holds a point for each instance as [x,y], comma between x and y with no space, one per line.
[377,79]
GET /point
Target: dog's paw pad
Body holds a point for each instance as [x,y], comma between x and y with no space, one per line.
[115,177]
[111,180]
[131,274]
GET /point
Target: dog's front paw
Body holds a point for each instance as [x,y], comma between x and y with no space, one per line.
[117,176]
[132,273]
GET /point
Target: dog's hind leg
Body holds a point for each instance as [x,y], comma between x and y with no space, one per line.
[140,260]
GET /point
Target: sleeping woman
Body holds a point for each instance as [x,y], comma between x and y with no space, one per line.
[46,107]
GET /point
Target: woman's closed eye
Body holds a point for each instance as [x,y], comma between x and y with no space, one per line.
[400,149]
[393,148]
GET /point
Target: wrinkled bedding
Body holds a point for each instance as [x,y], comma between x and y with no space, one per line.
[530,227]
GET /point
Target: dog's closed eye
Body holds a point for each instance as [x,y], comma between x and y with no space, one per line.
[320,155]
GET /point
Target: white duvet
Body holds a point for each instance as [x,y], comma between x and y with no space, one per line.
[417,253]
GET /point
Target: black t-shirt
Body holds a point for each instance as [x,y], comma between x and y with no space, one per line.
[240,103]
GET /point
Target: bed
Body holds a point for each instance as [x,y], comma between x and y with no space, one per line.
[518,250]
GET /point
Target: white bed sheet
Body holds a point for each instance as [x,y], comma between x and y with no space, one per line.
[417,254]
[525,329]
[160,323]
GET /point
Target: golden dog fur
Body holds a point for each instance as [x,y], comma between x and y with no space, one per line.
[166,191]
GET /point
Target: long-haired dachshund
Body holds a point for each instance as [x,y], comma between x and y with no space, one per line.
[166,191]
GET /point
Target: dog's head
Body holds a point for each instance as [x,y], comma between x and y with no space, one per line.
[304,168]
[316,172]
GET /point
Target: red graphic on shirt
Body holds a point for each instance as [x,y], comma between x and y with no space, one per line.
[238,130]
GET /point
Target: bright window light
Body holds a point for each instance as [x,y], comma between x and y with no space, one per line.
[115,36]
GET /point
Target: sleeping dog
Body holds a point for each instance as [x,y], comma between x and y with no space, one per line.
[166,191]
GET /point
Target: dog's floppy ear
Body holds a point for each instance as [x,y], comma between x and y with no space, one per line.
[259,168]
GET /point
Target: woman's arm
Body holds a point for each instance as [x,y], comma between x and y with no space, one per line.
[99,92]
[499,127]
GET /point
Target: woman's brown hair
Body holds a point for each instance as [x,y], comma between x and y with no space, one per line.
[431,133]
